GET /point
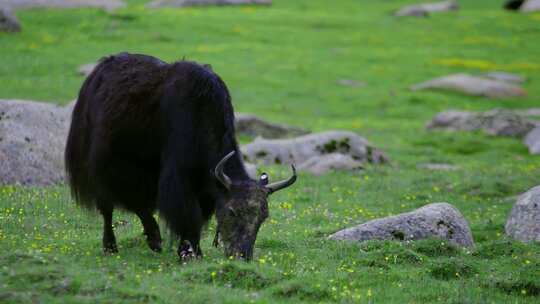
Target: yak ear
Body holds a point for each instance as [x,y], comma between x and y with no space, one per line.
[263,179]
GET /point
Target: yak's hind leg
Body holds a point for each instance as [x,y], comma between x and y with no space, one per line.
[109,240]
[151,229]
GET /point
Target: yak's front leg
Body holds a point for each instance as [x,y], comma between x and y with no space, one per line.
[151,229]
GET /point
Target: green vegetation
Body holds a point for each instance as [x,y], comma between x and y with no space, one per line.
[283,62]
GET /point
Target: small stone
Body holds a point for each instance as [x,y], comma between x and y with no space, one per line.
[251,125]
[524,221]
[437,220]
[532,141]
[351,83]
[472,85]
[423,10]
[86,69]
[438,167]
[497,122]
[8,21]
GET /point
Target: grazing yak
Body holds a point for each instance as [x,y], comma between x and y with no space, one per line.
[146,135]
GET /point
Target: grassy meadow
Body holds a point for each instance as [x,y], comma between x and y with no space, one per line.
[284,63]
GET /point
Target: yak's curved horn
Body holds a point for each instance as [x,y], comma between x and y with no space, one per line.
[273,187]
[220,175]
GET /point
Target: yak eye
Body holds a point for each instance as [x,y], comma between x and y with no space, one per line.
[263,180]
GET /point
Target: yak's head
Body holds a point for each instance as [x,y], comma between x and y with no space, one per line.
[244,210]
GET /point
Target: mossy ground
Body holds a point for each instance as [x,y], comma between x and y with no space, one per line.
[284,62]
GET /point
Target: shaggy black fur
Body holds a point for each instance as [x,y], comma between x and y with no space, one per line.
[146,135]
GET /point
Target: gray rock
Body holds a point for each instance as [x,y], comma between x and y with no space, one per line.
[530,6]
[183,3]
[524,221]
[316,153]
[437,167]
[497,122]
[500,122]
[423,10]
[351,83]
[437,220]
[251,125]
[106,4]
[455,121]
[473,85]
[532,141]
[86,69]
[32,140]
[8,21]
[529,112]
[505,77]
[319,165]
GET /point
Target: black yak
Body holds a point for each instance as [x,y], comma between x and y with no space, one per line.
[146,135]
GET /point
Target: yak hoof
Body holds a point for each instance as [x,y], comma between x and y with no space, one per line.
[109,249]
[187,253]
[155,245]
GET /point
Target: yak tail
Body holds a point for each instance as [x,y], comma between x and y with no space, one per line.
[78,147]
[76,156]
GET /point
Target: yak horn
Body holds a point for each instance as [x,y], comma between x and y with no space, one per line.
[220,175]
[273,187]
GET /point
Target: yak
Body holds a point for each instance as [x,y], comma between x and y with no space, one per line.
[149,136]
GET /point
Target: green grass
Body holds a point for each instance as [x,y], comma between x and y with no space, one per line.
[283,63]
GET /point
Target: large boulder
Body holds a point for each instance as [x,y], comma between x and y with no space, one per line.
[183,3]
[424,9]
[106,4]
[437,220]
[473,85]
[532,141]
[32,140]
[8,21]
[307,150]
[524,221]
[497,122]
[251,125]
